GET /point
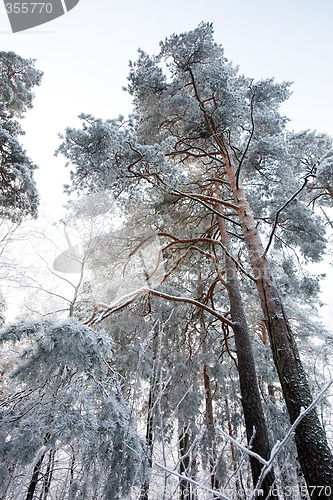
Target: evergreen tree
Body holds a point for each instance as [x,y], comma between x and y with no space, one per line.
[212,112]
[62,406]
[18,193]
[200,129]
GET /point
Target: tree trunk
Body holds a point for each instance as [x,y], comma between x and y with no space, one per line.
[211,430]
[184,488]
[34,479]
[251,401]
[48,476]
[313,451]
[149,441]
[238,482]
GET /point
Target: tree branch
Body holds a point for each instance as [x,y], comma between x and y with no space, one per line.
[279,211]
[195,198]
[215,493]
[247,145]
[119,304]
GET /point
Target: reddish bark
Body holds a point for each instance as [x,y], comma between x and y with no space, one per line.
[251,402]
[313,451]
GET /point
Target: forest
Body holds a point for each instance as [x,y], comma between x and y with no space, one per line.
[176,349]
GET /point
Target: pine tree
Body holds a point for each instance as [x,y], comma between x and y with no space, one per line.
[18,192]
[222,115]
[201,127]
[62,406]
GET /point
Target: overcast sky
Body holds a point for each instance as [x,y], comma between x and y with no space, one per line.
[84,55]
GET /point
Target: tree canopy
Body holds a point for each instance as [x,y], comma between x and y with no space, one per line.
[19,196]
[194,309]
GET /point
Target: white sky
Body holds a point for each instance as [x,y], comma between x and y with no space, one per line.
[84,55]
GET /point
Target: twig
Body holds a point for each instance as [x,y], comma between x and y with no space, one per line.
[194,198]
[243,448]
[215,493]
[247,145]
[279,444]
[280,210]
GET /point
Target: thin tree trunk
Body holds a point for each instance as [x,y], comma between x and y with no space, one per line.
[48,476]
[149,441]
[184,489]
[34,479]
[264,337]
[215,484]
[251,401]
[150,418]
[238,482]
[313,451]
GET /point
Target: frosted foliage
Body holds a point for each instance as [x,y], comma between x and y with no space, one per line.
[106,155]
[296,284]
[18,191]
[17,79]
[126,259]
[313,153]
[193,47]
[62,395]
[325,177]
[3,307]
[246,112]
[199,126]
[172,107]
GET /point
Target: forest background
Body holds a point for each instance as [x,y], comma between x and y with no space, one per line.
[84,56]
[83,65]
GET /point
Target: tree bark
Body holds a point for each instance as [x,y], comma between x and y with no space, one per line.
[313,450]
[215,484]
[34,479]
[251,401]
[184,438]
[149,440]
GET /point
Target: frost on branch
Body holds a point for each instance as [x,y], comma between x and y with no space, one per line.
[18,193]
[62,397]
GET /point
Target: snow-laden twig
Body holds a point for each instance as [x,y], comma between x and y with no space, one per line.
[240,462]
[243,448]
[268,464]
[126,299]
[215,493]
[280,444]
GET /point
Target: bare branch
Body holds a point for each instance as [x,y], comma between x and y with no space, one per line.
[215,493]
[195,198]
[280,210]
[280,444]
[119,304]
[247,145]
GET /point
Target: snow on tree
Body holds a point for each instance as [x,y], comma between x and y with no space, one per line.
[62,407]
[18,193]
[203,128]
